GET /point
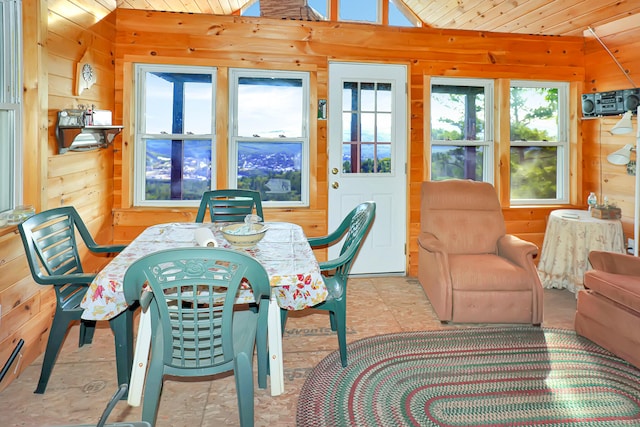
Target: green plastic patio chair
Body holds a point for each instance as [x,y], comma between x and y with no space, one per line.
[196,329]
[229,205]
[49,240]
[336,272]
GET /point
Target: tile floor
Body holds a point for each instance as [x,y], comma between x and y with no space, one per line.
[84,378]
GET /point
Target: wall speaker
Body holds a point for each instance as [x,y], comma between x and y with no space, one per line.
[588,104]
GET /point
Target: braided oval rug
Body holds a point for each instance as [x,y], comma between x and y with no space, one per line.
[511,376]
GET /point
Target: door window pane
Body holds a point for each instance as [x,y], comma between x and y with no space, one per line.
[366,127]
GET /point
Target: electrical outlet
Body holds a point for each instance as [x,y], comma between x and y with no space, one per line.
[631,243]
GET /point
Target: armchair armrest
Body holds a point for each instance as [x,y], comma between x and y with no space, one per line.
[516,250]
[430,242]
[616,263]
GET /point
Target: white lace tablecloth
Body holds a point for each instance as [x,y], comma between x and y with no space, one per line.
[284,252]
[570,236]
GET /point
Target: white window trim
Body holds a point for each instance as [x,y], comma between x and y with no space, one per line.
[562,144]
[140,136]
[11,94]
[234,75]
[488,142]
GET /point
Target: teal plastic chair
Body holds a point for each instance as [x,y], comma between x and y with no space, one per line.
[196,330]
[229,205]
[336,272]
[49,240]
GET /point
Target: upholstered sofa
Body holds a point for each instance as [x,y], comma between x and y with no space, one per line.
[470,269]
[608,309]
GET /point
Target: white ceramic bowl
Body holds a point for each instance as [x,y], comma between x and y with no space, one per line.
[235,235]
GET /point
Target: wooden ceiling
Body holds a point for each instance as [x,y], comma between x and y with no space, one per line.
[543,17]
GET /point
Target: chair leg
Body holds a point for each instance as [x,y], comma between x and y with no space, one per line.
[244,388]
[87,329]
[58,331]
[262,345]
[340,319]
[152,393]
[332,321]
[122,327]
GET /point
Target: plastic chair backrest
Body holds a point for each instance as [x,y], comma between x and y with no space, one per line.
[50,242]
[229,205]
[356,224]
[194,290]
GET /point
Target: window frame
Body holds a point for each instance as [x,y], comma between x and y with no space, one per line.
[562,143]
[140,137]
[234,75]
[488,165]
[11,103]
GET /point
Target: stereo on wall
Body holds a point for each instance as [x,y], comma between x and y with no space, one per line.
[611,103]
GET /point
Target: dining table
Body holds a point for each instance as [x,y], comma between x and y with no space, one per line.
[294,275]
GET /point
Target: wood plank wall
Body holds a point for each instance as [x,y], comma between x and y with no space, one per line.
[223,41]
[602,74]
[56,35]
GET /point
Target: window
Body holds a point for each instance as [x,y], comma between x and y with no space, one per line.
[10,103]
[539,142]
[401,16]
[369,11]
[269,135]
[366,127]
[359,10]
[175,134]
[461,129]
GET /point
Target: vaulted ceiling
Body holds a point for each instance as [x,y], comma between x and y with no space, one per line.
[543,17]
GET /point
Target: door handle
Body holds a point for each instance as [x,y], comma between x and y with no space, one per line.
[335,185]
[334,171]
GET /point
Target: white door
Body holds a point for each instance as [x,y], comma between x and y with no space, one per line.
[367,158]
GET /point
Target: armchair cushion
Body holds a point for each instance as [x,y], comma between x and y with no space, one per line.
[487,271]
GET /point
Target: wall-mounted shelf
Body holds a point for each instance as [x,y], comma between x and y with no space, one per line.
[73,135]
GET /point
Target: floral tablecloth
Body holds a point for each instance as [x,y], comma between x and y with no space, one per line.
[284,251]
[570,236]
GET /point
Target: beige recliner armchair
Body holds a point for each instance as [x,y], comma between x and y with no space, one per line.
[470,269]
[608,309]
